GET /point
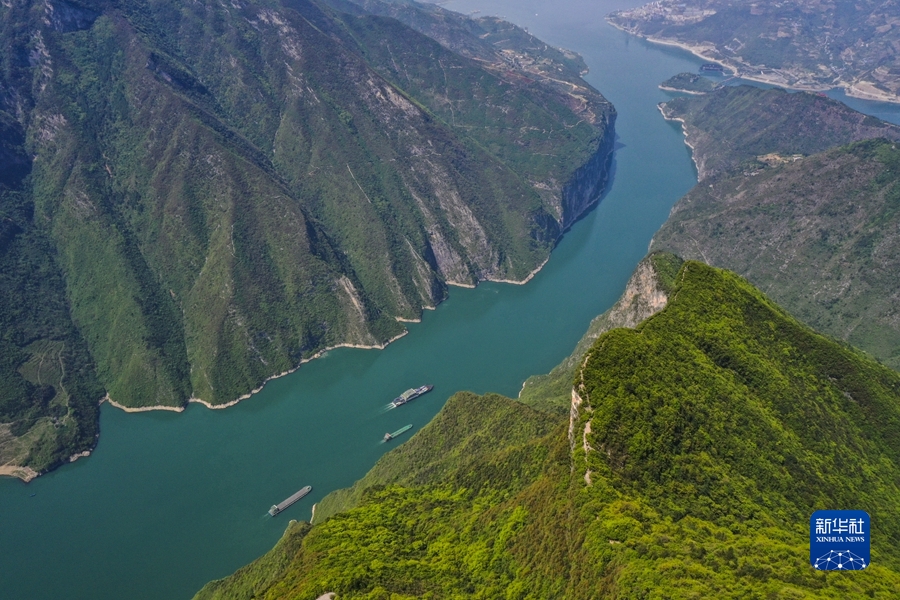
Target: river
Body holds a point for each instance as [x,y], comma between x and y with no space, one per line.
[170,501]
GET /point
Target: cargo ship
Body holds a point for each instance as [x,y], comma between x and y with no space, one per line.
[410,394]
[277,508]
[389,436]
[712,67]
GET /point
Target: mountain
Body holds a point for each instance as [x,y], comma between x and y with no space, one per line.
[215,193]
[730,127]
[698,445]
[821,233]
[805,44]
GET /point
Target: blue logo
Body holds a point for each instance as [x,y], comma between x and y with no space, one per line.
[839,540]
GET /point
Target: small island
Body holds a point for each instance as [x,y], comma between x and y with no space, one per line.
[688,83]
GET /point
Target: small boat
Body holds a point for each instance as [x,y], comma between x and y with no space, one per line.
[389,436]
[410,394]
[277,508]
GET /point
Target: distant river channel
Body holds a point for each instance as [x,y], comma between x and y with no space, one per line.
[170,501]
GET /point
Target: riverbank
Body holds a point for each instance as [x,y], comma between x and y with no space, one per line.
[671,89]
[527,277]
[319,354]
[26,474]
[701,174]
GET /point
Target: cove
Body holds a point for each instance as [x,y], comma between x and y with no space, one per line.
[170,501]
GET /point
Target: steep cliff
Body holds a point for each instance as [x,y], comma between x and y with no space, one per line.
[646,293]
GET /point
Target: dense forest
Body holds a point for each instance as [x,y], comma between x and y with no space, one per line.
[698,445]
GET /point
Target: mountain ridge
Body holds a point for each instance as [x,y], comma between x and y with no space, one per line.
[762,122]
[796,199]
[640,492]
[227,192]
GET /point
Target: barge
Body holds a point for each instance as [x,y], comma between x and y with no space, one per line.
[277,508]
[389,436]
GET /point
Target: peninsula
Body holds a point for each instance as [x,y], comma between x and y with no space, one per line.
[688,83]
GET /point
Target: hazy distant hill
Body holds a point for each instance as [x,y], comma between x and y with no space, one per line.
[698,446]
[196,197]
[820,234]
[805,44]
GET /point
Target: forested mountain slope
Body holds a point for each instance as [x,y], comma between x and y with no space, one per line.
[217,192]
[731,126]
[697,447]
[820,234]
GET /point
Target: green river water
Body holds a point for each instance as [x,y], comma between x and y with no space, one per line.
[169,501]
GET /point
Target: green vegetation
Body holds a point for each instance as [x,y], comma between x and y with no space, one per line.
[217,193]
[688,82]
[732,126]
[49,393]
[645,294]
[805,44]
[722,403]
[703,440]
[466,430]
[818,233]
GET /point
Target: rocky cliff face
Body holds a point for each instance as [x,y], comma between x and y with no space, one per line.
[588,183]
[645,294]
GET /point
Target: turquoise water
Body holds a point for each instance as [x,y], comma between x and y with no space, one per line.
[169,501]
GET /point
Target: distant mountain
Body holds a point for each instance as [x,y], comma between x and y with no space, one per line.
[803,44]
[194,198]
[698,445]
[820,234]
[730,127]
